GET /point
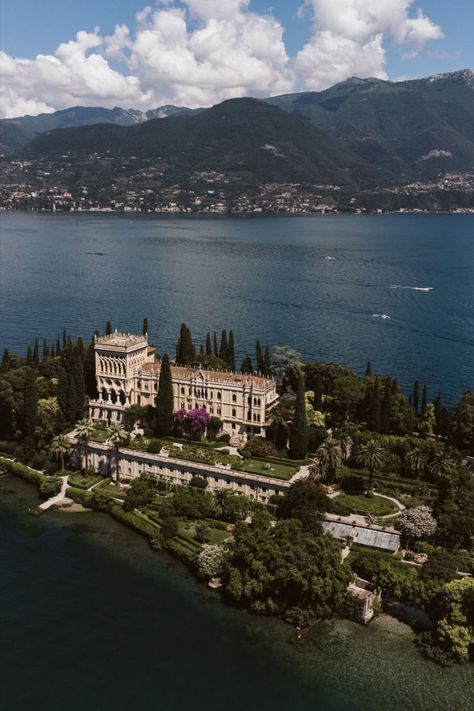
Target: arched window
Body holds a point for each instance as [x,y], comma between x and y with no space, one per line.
[234,414]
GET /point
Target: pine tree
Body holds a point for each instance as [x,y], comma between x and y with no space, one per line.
[258,349]
[299,429]
[30,402]
[368,369]
[246,366]
[416,391]
[108,328]
[224,347]
[267,361]
[208,344]
[424,400]
[29,357]
[231,352]
[145,327]
[164,400]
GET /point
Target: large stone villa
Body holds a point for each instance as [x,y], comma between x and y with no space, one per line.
[127,374]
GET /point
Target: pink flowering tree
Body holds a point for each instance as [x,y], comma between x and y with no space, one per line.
[193,422]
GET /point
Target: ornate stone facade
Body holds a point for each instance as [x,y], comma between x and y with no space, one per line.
[127,374]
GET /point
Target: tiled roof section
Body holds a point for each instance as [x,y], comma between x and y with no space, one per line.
[122,340]
[215,376]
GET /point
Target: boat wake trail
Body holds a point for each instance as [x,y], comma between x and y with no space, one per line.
[384,316]
[412,288]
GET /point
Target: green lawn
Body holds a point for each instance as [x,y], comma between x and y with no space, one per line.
[375,506]
[81,482]
[278,471]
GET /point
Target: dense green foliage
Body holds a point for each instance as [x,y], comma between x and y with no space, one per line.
[164,400]
[284,570]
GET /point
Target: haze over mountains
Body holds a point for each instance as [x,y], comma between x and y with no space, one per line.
[361,133]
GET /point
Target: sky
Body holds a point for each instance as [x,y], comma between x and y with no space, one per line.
[60,53]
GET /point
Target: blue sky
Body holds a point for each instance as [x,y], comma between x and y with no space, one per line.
[201,51]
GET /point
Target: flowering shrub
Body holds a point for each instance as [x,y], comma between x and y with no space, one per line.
[418,522]
[194,422]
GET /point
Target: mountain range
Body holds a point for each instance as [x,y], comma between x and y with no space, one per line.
[359,133]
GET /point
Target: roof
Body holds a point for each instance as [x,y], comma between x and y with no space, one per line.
[216,376]
[121,340]
[372,537]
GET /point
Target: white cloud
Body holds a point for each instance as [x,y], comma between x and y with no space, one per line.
[200,52]
[349,35]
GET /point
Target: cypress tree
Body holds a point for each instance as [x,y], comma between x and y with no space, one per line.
[299,429]
[5,361]
[215,346]
[438,404]
[145,327]
[185,351]
[246,366]
[259,354]
[231,352]
[30,402]
[89,371]
[164,400]
[29,357]
[416,391]
[64,337]
[267,361]
[368,369]
[201,351]
[80,347]
[71,409]
[108,328]
[386,407]
[224,349]
[375,409]
[57,352]
[208,344]
[424,400]
[63,391]
[77,375]
[318,392]
[45,350]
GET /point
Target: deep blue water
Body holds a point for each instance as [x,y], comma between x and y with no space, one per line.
[266,277]
[91,619]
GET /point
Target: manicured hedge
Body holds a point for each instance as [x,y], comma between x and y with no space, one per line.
[138,522]
[79,496]
[22,471]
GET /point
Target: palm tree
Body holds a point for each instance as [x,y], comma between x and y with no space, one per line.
[315,470]
[371,455]
[346,443]
[116,436]
[84,429]
[60,446]
[442,465]
[415,459]
[329,456]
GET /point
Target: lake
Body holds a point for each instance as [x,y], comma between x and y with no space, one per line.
[92,618]
[322,284]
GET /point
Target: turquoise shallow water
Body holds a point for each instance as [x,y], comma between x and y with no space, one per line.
[92,618]
[266,277]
